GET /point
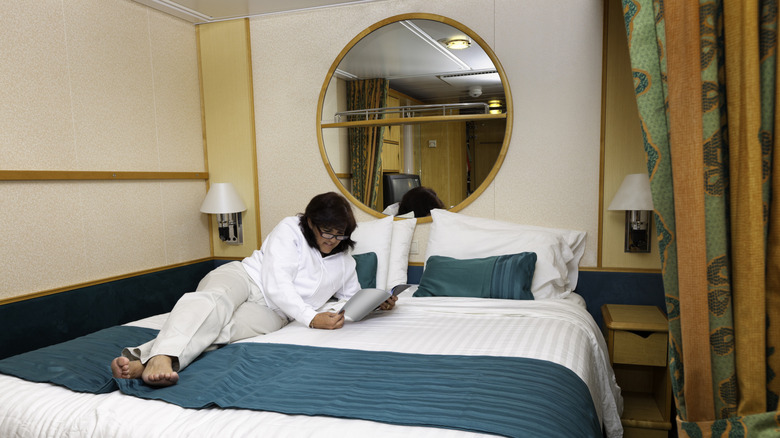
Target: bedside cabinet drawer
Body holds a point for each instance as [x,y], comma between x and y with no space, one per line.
[633,348]
[635,432]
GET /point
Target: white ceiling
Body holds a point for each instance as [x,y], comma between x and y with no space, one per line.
[424,69]
[204,11]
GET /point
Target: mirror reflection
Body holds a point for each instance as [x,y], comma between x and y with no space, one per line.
[414,102]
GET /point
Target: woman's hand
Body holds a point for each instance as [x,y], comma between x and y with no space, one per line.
[389,303]
[328,321]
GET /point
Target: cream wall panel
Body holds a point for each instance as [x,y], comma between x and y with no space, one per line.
[177,94]
[186,228]
[42,245]
[288,66]
[63,233]
[35,105]
[122,227]
[551,52]
[97,85]
[551,173]
[113,96]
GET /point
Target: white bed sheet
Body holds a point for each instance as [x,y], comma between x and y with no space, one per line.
[561,331]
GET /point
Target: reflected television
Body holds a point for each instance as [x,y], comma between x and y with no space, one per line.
[395,185]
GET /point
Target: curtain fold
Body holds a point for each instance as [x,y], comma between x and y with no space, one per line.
[705,75]
[686,139]
[365,144]
[744,96]
[770,60]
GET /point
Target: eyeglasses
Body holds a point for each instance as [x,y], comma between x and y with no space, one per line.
[332,236]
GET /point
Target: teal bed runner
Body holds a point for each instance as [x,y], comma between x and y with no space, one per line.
[500,395]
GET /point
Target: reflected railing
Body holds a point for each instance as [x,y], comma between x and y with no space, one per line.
[407,111]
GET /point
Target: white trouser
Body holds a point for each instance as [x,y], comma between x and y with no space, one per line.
[215,314]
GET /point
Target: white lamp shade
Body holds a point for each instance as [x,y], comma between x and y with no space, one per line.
[633,194]
[222,198]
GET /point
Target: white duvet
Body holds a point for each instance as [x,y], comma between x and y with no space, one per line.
[560,331]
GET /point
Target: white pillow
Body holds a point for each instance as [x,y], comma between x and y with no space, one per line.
[465,237]
[573,238]
[375,236]
[400,244]
[391,209]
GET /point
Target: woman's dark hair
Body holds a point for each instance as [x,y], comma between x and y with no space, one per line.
[329,210]
[420,200]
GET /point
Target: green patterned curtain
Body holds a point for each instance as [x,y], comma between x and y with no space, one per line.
[365,144]
[705,77]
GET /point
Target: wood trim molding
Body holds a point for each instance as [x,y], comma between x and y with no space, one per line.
[53,175]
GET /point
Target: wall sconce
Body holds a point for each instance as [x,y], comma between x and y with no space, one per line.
[635,198]
[223,200]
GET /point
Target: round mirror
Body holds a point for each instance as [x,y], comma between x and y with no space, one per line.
[414,100]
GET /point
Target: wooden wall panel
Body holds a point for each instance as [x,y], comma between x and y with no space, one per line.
[623,149]
[229,121]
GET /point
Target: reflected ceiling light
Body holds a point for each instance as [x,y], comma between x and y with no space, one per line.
[457,43]
[435,44]
[495,106]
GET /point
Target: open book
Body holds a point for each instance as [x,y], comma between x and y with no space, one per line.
[366,300]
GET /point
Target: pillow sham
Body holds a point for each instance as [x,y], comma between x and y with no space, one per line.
[506,277]
[366,269]
[400,244]
[374,236]
[575,239]
[465,237]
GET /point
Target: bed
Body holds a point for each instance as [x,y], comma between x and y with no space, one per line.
[448,361]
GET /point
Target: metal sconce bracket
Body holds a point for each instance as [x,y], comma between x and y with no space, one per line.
[638,226]
[230,228]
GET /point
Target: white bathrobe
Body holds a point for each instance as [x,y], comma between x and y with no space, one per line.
[294,278]
[284,280]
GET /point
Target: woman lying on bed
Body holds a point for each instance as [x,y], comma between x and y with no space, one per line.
[300,266]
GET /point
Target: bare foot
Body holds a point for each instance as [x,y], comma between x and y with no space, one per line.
[159,372]
[124,368]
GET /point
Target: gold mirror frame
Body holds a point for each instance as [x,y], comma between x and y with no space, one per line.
[509,113]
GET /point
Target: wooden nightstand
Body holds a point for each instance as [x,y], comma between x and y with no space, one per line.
[637,338]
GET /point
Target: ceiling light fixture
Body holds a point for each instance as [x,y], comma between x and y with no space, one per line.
[496,106]
[458,43]
[435,44]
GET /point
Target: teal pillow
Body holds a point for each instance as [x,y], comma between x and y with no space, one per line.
[505,277]
[366,269]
